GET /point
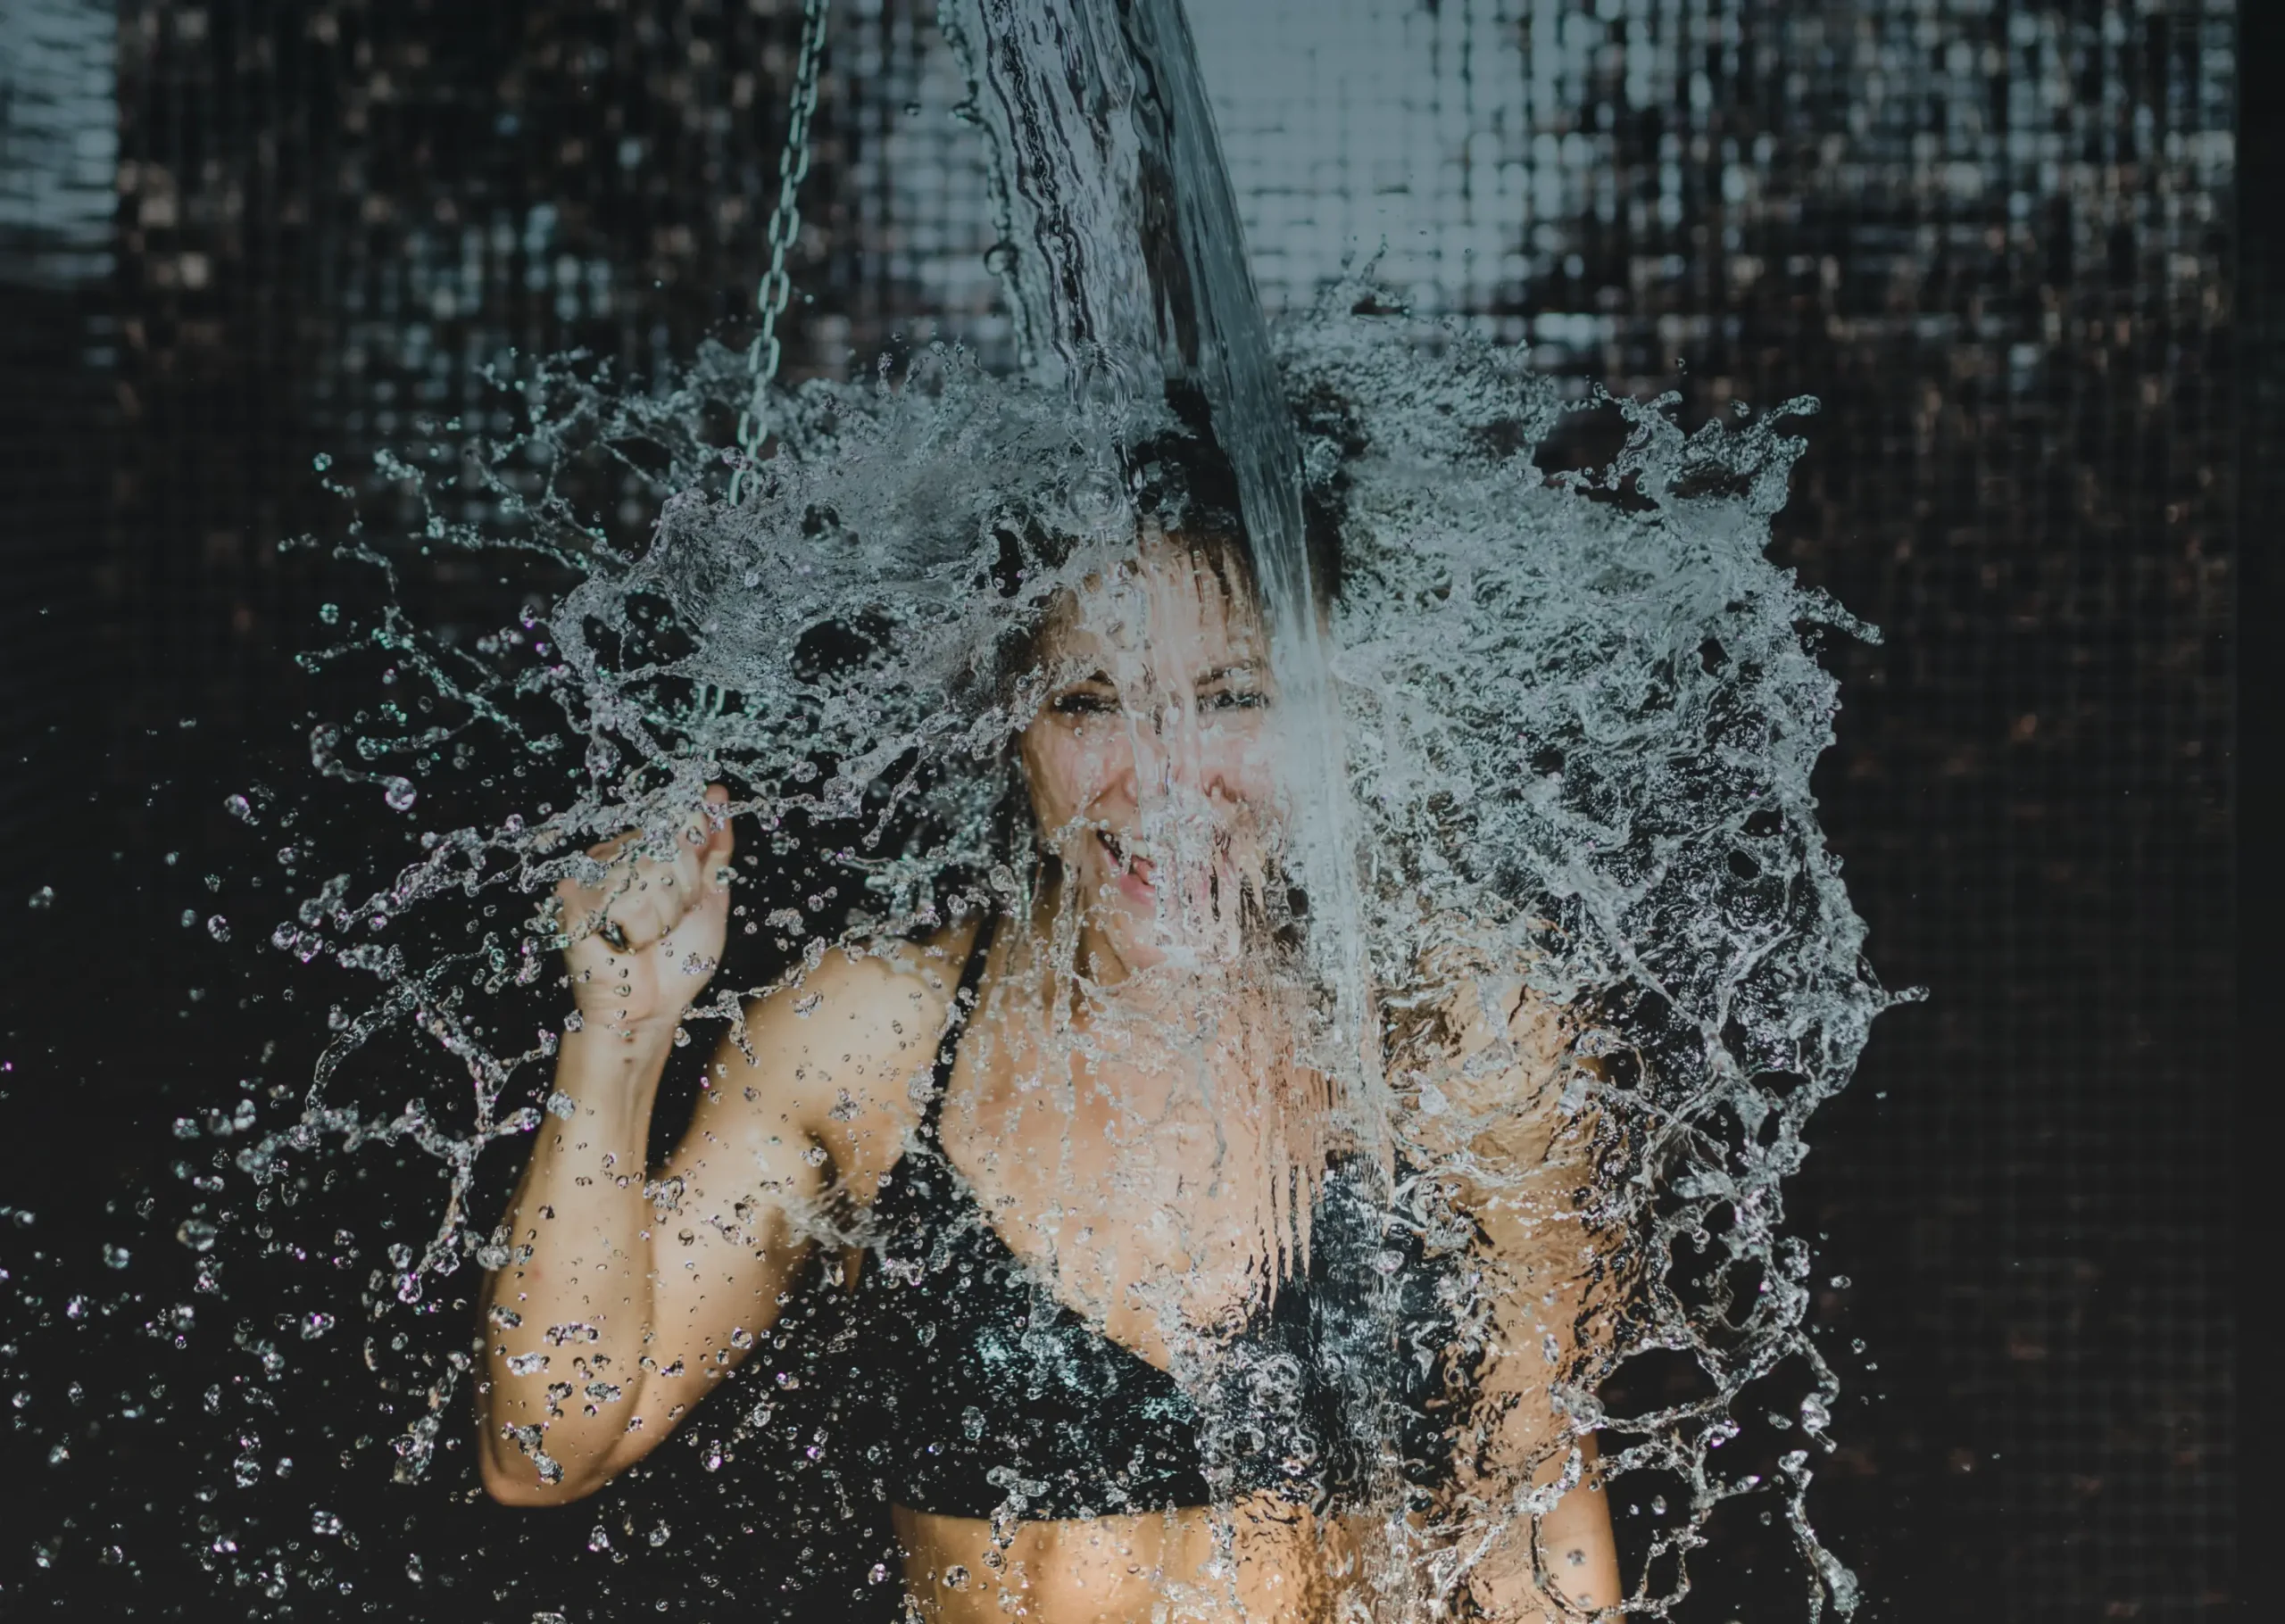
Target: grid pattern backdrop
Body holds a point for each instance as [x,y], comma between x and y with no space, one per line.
[1994,237]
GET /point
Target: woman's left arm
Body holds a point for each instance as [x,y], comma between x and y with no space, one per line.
[1516,1162]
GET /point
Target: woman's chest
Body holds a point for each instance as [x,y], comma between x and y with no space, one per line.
[1155,1201]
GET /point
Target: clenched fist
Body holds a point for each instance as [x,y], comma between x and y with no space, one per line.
[643,942]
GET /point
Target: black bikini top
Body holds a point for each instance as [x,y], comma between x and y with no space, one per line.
[1000,1400]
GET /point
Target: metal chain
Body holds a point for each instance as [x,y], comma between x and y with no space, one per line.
[777,289]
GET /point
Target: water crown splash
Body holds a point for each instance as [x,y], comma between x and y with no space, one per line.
[1575,950]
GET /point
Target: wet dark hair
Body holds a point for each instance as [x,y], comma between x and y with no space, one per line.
[1181,481]
[1186,483]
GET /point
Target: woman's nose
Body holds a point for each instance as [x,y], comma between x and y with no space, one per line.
[1171,750]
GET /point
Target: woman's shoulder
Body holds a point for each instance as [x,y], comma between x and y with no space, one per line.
[1475,1047]
[889,982]
[836,1050]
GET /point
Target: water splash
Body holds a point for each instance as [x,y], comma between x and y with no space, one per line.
[1581,715]
[1585,711]
[1552,756]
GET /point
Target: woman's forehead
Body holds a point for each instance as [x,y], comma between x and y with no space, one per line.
[1166,604]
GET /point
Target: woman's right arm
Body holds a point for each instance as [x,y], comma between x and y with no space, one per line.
[592,1350]
[625,1298]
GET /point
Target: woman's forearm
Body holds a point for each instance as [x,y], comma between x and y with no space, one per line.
[567,1317]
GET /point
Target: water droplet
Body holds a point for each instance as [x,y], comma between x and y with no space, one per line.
[239,807]
[115,1256]
[329,613]
[217,927]
[44,898]
[399,793]
[321,461]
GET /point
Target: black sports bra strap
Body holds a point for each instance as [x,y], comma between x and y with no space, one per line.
[948,1051]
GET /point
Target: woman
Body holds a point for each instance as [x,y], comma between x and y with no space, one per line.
[1104,1205]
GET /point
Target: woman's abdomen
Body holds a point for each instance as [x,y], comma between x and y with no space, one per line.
[1286,1567]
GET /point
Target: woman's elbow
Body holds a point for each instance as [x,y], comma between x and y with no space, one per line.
[516,1480]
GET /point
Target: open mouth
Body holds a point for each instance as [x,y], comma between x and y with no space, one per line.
[1133,868]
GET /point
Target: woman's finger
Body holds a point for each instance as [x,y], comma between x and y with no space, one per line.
[627,909]
[685,876]
[720,844]
[652,882]
[626,919]
[701,845]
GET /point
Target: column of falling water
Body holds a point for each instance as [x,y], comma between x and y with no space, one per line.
[1125,264]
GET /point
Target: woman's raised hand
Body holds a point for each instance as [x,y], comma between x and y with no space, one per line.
[643,942]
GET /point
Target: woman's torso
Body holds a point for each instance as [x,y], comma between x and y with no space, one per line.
[1072,1217]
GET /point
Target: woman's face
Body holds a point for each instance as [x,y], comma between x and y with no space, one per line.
[1149,762]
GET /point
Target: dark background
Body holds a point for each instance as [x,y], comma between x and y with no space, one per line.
[2003,242]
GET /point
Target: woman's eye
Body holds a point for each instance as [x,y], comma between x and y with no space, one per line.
[1232,699]
[1082,703]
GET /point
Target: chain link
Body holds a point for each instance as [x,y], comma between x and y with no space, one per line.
[777,289]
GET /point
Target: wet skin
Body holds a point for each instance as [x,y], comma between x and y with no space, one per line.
[1150,773]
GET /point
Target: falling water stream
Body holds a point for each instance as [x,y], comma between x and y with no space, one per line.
[1126,270]
[1551,745]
